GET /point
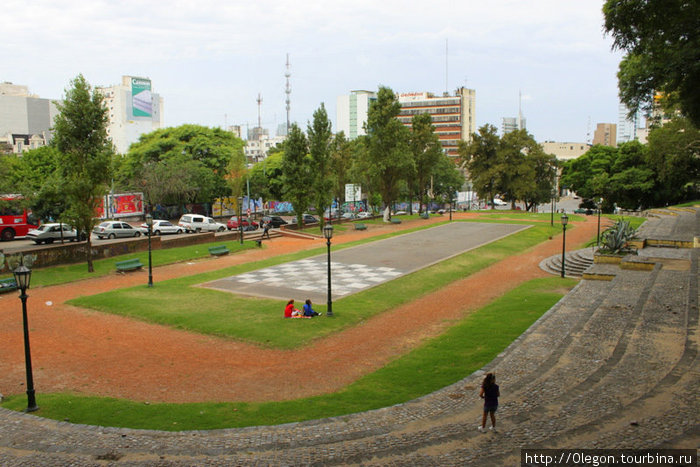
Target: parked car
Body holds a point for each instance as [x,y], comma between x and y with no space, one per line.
[583,211]
[247,224]
[48,233]
[334,214]
[399,213]
[305,218]
[198,223]
[349,215]
[275,221]
[115,229]
[163,227]
[364,215]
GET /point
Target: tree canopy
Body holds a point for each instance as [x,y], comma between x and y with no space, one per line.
[662,41]
[296,171]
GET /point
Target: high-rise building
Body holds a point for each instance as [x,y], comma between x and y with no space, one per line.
[513,124]
[605,134]
[627,127]
[351,112]
[454,116]
[25,119]
[134,109]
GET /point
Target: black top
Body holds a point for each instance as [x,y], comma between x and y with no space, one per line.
[491,394]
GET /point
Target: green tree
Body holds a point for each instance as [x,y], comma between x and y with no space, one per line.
[266,180]
[662,41]
[80,135]
[388,154]
[674,155]
[426,151]
[342,158]
[447,179]
[296,171]
[481,159]
[320,138]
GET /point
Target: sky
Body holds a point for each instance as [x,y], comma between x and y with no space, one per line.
[209,59]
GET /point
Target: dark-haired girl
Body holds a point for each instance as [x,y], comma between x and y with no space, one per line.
[490,393]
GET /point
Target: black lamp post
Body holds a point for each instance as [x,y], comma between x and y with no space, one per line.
[22,276]
[564,221]
[240,221]
[599,205]
[328,234]
[149,223]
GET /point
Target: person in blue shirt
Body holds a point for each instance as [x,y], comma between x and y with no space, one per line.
[308,310]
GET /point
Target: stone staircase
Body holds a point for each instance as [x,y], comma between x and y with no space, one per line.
[575,263]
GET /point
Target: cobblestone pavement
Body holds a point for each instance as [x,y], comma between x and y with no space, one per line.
[612,365]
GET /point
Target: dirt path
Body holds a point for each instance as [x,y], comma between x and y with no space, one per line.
[88,352]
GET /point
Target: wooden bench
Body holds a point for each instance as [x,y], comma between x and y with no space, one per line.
[129,265]
[360,226]
[8,285]
[396,221]
[218,250]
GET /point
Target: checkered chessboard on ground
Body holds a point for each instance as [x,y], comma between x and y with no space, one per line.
[311,276]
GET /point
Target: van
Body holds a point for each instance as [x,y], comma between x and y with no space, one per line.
[198,223]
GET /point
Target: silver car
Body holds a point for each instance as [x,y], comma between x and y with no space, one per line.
[115,229]
[48,233]
[162,228]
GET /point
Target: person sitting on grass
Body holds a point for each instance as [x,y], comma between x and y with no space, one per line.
[308,310]
[290,311]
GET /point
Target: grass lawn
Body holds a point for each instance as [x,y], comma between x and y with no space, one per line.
[258,320]
[464,348]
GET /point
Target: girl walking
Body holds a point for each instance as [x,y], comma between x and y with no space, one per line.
[490,393]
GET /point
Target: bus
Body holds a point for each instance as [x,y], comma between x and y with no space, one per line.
[15,220]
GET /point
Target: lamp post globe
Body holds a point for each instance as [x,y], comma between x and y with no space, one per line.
[23,277]
[328,234]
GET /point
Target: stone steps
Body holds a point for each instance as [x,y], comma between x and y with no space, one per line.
[576,263]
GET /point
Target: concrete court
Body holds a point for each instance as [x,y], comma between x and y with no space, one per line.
[361,267]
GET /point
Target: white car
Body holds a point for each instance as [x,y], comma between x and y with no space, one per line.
[364,215]
[198,223]
[163,227]
[48,233]
[115,229]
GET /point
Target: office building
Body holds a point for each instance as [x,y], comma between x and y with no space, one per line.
[512,124]
[134,109]
[565,151]
[351,113]
[454,116]
[605,134]
[25,119]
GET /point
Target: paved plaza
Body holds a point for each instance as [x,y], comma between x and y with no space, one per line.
[361,267]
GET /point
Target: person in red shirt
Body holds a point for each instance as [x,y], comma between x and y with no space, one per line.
[289,310]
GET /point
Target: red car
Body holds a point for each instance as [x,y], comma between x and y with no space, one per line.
[233,224]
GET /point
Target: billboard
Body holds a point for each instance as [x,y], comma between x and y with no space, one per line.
[353,192]
[125,204]
[141,98]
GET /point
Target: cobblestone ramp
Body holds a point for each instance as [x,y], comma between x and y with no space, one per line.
[614,365]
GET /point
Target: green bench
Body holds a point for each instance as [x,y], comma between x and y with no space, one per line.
[218,250]
[8,285]
[360,226]
[396,221]
[129,265]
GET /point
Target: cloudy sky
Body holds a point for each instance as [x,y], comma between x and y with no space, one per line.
[210,59]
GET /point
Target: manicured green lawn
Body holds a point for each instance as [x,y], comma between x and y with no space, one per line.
[464,348]
[259,321]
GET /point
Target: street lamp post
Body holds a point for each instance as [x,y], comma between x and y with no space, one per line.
[22,276]
[328,234]
[564,221]
[240,220]
[599,205]
[149,223]
[551,222]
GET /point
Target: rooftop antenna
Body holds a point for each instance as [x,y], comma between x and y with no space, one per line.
[520,110]
[287,91]
[259,100]
[588,131]
[446,85]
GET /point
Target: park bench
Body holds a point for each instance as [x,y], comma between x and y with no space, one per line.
[8,285]
[129,265]
[218,250]
[396,221]
[360,226]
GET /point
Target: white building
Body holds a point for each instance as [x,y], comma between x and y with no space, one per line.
[256,150]
[25,119]
[351,113]
[134,109]
[565,151]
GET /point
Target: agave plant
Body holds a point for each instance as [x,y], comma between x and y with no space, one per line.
[615,238]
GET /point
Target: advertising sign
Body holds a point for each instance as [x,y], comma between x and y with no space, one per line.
[353,192]
[125,204]
[141,99]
